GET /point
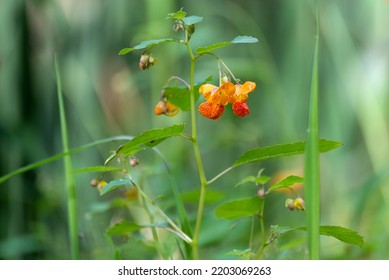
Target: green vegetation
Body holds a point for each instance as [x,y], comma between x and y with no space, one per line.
[211,150]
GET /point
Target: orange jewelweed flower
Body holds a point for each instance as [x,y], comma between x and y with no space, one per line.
[218,97]
[166,108]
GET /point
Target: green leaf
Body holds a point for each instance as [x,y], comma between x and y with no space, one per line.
[343,234]
[263,179]
[244,40]
[252,179]
[147,44]
[177,15]
[179,95]
[249,179]
[150,139]
[282,150]
[209,48]
[123,228]
[102,168]
[242,254]
[287,182]
[125,51]
[276,232]
[239,208]
[192,20]
[237,40]
[211,196]
[115,184]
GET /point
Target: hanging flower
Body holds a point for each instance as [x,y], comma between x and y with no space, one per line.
[218,97]
[166,108]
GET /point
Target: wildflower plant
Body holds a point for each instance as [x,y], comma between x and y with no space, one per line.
[199,99]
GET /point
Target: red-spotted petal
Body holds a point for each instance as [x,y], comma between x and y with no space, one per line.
[240,109]
[211,111]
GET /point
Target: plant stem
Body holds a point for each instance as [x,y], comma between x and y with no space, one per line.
[263,232]
[312,172]
[203,180]
[177,230]
[70,185]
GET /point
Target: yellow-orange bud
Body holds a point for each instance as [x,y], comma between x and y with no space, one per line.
[299,203]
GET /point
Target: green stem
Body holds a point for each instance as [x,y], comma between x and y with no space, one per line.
[312,172]
[185,237]
[70,185]
[154,232]
[263,232]
[203,180]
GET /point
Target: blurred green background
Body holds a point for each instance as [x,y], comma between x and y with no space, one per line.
[107,95]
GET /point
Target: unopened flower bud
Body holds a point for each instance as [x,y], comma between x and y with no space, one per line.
[101,185]
[289,203]
[299,203]
[134,161]
[225,79]
[261,192]
[146,61]
[178,25]
[191,29]
[94,182]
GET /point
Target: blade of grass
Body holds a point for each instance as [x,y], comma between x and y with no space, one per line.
[61,155]
[182,214]
[312,173]
[69,179]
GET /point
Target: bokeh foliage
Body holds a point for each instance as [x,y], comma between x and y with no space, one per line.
[107,95]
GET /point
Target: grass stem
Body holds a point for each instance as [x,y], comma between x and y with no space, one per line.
[69,179]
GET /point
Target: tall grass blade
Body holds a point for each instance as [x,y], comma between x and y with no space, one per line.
[69,179]
[61,155]
[312,174]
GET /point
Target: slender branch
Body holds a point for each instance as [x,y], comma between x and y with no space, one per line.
[160,212]
[220,174]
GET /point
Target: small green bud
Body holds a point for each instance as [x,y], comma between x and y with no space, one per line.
[289,203]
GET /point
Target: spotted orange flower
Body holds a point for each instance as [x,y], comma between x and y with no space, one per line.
[218,97]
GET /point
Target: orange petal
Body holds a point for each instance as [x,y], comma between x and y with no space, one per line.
[223,94]
[160,108]
[242,91]
[248,87]
[206,90]
[171,110]
[211,111]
